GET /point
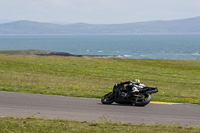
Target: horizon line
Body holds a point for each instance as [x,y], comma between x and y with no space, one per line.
[59,23]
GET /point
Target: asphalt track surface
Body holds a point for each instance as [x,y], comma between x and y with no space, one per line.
[88,109]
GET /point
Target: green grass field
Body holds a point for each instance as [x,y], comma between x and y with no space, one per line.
[177,81]
[38,125]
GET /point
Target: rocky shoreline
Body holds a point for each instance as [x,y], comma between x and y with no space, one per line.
[53,53]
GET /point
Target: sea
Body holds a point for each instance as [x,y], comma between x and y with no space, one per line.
[175,47]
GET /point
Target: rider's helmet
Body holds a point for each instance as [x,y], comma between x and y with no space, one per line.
[136,80]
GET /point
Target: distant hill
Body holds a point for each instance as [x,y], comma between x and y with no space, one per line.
[181,26]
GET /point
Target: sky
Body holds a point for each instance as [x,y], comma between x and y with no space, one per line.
[98,11]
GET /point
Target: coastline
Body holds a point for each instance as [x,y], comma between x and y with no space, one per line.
[66,54]
[48,53]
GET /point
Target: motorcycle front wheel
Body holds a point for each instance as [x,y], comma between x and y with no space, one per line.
[108,98]
[142,100]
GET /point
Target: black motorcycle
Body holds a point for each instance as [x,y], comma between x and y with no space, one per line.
[135,93]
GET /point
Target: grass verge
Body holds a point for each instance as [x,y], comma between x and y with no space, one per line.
[38,125]
[177,80]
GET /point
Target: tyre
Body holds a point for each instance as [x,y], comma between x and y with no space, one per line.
[108,98]
[142,99]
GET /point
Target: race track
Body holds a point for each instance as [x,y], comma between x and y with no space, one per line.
[88,109]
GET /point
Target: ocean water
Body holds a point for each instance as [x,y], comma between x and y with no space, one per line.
[178,47]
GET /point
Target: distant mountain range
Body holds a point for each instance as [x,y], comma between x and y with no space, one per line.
[181,26]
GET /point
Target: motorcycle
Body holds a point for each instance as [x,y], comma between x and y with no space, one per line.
[135,93]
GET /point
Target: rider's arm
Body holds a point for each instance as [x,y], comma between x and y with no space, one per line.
[127,82]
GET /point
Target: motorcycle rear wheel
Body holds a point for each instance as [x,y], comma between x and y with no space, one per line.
[108,98]
[142,100]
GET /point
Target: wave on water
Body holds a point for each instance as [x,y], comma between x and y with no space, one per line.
[127,55]
[123,56]
[197,53]
[94,51]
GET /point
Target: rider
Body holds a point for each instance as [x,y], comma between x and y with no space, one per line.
[130,86]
